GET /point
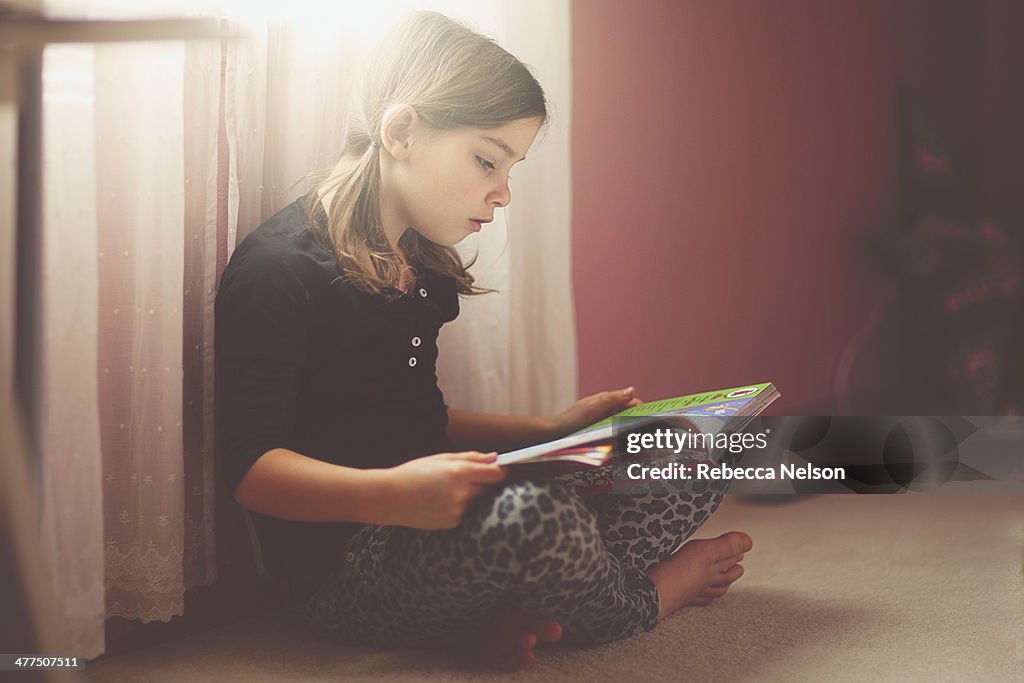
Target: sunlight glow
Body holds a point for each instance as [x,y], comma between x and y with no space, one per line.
[323,21]
[318,21]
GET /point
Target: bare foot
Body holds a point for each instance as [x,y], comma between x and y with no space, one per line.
[511,635]
[700,571]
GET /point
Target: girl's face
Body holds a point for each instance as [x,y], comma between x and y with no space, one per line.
[450,182]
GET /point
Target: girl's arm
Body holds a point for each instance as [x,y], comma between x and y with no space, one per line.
[503,433]
[497,432]
[425,493]
[288,485]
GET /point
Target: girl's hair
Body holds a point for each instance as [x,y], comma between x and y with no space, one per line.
[451,76]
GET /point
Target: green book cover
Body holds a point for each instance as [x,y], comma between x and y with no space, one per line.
[737,402]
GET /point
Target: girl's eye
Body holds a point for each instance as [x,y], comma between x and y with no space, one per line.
[485,164]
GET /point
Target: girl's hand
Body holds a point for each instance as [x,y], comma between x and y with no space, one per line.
[433,492]
[589,410]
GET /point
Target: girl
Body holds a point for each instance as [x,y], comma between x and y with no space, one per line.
[333,432]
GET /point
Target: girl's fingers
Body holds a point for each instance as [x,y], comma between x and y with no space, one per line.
[444,456]
[618,399]
[625,394]
[474,456]
[485,474]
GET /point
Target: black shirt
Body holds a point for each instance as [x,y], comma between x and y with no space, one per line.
[305,361]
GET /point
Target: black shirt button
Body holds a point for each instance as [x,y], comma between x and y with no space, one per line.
[423,293]
[416,341]
[412,362]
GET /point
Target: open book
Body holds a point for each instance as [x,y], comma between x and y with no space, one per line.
[720,410]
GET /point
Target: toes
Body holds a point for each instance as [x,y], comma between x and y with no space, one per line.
[735,543]
[510,640]
[721,580]
[713,592]
[547,630]
[732,573]
[527,644]
[722,565]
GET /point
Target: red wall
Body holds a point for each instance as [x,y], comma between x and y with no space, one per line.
[726,156]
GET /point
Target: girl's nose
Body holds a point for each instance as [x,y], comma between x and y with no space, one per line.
[501,196]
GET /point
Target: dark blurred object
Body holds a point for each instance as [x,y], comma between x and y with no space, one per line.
[940,343]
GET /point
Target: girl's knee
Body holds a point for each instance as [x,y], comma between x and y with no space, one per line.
[546,497]
[530,524]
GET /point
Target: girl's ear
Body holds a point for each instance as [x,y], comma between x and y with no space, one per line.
[398,126]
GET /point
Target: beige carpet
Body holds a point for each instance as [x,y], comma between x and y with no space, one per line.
[837,588]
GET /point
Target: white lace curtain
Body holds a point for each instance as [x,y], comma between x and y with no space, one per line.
[129,268]
[135,238]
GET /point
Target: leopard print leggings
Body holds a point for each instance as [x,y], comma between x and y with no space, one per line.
[533,544]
